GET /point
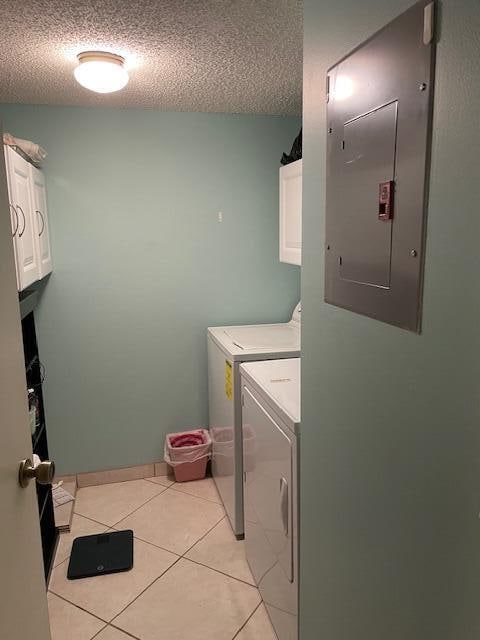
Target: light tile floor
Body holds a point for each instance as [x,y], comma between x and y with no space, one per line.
[190,579]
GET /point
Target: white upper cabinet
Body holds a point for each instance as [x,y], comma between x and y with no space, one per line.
[291,213]
[28,210]
[13,216]
[40,212]
[25,238]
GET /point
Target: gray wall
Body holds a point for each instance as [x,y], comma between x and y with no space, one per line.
[390,469]
[142,266]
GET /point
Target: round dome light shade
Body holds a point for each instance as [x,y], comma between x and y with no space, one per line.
[101,72]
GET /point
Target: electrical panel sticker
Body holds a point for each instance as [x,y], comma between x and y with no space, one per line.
[228,380]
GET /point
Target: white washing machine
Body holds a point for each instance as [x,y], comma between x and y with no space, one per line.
[228,347]
[271,423]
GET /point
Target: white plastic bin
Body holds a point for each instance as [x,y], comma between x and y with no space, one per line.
[189,461]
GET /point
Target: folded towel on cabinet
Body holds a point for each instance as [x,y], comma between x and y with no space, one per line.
[34,151]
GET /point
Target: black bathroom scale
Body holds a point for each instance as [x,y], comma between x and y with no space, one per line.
[100,554]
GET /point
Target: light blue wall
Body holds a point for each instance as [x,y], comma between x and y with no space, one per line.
[142,266]
[390,451]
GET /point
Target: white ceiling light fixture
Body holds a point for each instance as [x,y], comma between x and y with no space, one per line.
[101,71]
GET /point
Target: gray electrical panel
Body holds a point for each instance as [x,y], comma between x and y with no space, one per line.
[379,103]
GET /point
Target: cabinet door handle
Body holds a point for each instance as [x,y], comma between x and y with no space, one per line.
[12,208]
[24,221]
[43,222]
[284,504]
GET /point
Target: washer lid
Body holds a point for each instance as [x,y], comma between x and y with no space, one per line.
[258,337]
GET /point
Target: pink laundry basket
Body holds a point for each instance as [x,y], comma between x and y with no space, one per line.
[188,453]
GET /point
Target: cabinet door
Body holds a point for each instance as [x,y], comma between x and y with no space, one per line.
[291,213]
[13,218]
[40,213]
[25,238]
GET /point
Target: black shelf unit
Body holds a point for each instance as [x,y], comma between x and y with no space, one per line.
[34,372]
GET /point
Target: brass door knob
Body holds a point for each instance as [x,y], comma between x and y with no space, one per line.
[43,472]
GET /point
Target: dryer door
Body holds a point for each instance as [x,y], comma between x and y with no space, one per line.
[268,497]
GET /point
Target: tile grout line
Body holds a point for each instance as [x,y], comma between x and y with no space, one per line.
[182,557]
[105,484]
[94,615]
[175,553]
[107,529]
[186,493]
[164,548]
[167,486]
[152,544]
[110,622]
[99,632]
[144,541]
[179,557]
[147,542]
[101,524]
[164,488]
[191,495]
[142,592]
[227,575]
[75,513]
[127,633]
[129,514]
[142,505]
[202,537]
[248,619]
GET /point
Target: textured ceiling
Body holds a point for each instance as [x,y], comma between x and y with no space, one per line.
[241,56]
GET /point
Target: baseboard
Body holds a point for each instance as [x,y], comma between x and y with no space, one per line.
[123,474]
[64,512]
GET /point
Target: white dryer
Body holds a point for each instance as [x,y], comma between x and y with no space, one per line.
[228,347]
[271,423]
